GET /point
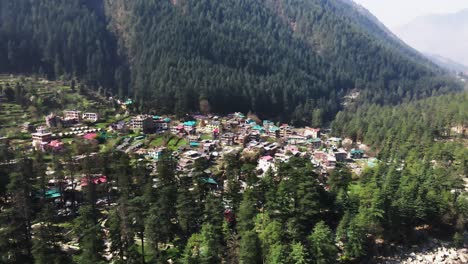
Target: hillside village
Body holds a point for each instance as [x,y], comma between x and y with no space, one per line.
[71,134]
[207,137]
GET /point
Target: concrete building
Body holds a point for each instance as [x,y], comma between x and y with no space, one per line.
[142,122]
[312,132]
[41,138]
[265,163]
[72,115]
[92,117]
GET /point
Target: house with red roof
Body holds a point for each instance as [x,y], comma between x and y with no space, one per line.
[55,146]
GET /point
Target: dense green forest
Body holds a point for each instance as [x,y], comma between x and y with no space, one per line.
[291,216]
[55,38]
[281,59]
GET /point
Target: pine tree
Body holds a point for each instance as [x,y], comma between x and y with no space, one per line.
[322,246]
[188,214]
[247,212]
[249,250]
[298,254]
[46,248]
[90,237]
[16,217]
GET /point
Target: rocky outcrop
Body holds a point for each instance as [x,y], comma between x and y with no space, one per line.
[436,252]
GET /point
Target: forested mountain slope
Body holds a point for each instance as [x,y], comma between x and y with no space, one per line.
[395,131]
[424,161]
[278,58]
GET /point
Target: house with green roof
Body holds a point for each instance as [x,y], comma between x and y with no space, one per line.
[274,131]
[315,143]
[357,154]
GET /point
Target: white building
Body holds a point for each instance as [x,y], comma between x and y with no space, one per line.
[265,163]
[93,117]
[72,115]
[41,138]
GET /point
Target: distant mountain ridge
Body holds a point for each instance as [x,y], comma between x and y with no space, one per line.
[442,34]
[448,63]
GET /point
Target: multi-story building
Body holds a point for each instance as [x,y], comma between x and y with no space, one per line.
[311,132]
[190,126]
[161,123]
[296,140]
[142,122]
[92,117]
[266,163]
[341,155]
[72,115]
[41,138]
[285,130]
[325,159]
[315,143]
[227,139]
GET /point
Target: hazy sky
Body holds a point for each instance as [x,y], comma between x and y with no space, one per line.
[395,13]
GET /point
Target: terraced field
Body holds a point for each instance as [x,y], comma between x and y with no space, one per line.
[41,97]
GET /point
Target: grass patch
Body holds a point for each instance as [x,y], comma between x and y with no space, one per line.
[157,142]
[101,125]
[206,137]
[175,143]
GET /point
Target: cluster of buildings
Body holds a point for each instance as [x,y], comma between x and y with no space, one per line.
[211,137]
[149,124]
[266,142]
[42,140]
[70,117]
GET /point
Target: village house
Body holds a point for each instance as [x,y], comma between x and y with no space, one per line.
[312,132]
[156,153]
[41,138]
[357,154]
[190,127]
[55,146]
[267,124]
[341,155]
[72,115]
[177,129]
[285,130]
[214,125]
[265,163]
[91,117]
[270,148]
[325,159]
[227,139]
[334,141]
[239,116]
[273,131]
[294,150]
[296,140]
[161,123]
[315,143]
[241,139]
[282,157]
[142,122]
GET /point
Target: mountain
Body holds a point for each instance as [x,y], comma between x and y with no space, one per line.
[282,59]
[442,34]
[448,63]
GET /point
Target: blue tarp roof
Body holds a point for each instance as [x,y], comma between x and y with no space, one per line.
[209,181]
[190,123]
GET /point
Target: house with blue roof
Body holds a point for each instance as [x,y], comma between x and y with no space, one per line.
[190,126]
